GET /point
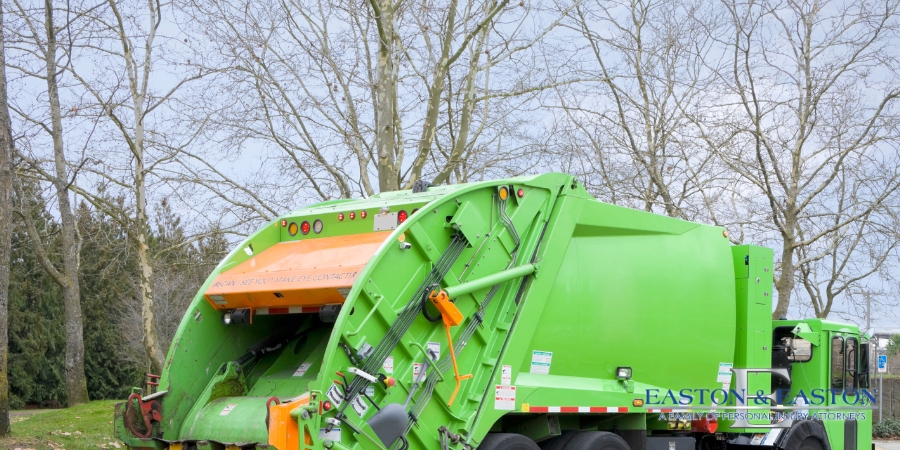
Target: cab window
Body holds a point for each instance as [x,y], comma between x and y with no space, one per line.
[788,348]
[837,363]
[863,365]
[800,349]
[851,363]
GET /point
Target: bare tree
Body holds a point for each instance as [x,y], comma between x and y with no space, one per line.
[6,212]
[339,93]
[863,248]
[173,290]
[119,85]
[633,126]
[806,117]
[42,38]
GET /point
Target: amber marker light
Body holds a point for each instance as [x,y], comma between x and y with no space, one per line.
[503,193]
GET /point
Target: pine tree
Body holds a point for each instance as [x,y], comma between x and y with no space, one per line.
[106,271]
[37,340]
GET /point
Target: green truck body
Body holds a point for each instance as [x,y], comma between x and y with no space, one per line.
[574,317]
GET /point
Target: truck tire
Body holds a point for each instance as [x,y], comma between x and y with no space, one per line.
[805,435]
[597,440]
[507,441]
[811,443]
[559,442]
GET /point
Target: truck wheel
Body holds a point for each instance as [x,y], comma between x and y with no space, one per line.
[806,435]
[811,443]
[559,442]
[507,441]
[597,440]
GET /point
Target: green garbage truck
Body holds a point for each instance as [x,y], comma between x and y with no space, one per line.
[516,314]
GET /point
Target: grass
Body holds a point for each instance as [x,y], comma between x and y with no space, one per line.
[81,427]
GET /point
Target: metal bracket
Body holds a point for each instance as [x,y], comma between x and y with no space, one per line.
[149,411]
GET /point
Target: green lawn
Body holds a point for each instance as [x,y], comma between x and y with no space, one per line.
[78,428]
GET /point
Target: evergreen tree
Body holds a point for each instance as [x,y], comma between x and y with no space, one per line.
[106,268]
[37,341]
[115,360]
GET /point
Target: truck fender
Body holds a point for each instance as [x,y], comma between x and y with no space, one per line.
[802,430]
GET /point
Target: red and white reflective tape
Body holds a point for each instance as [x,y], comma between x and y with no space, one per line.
[287,310]
[667,410]
[574,409]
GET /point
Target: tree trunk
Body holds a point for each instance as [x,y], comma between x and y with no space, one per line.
[151,342]
[465,120]
[385,96]
[429,130]
[76,383]
[785,282]
[137,85]
[6,211]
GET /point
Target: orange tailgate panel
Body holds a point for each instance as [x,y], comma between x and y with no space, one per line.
[297,273]
[284,433]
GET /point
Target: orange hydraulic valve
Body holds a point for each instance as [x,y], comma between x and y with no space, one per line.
[452,317]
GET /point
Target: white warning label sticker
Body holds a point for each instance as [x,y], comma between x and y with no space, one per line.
[724,373]
[506,375]
[302,369]
[505,398]
[334,394]
[227,410]
[540,362]
[334,435]
[359,405]
[370,391]
[435,348]
[388,365]
[417,369]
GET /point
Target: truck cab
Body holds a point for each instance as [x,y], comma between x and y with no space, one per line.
[828,366]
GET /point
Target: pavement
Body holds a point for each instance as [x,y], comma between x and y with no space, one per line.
[887,445]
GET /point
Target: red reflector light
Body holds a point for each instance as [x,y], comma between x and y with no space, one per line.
[304,227]
[704,425]
[520,193]
[401,216]
[340,216]
[283,222]
[362,214]
[326,406]
[352,215]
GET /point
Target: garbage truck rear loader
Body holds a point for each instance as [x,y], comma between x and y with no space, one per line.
[510,314]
